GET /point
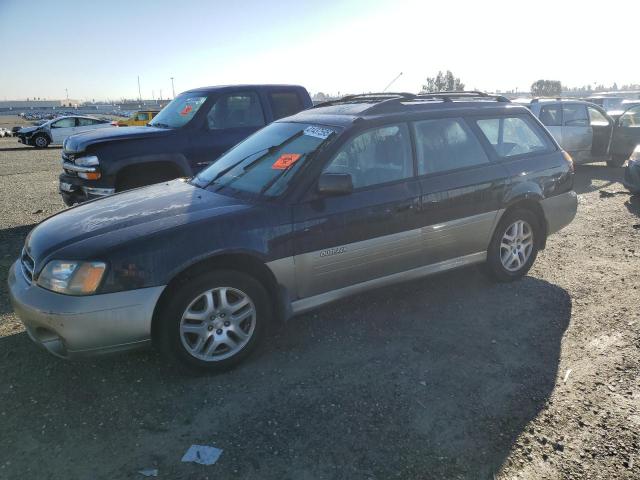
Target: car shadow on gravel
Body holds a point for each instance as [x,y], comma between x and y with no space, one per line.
[11,242]
[590,178]
[429,379]
[633,205]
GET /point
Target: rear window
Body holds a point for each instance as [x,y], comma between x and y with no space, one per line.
[284,104]
[511,136]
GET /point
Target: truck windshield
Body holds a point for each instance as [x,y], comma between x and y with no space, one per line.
[265,163]
[179,111]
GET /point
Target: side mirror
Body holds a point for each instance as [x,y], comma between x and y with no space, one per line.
[335,184]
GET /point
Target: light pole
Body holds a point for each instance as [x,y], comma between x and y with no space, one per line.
[139,91]
[173,88]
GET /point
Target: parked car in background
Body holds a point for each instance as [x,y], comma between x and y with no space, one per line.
[187,135]
[625,105]
[56,131]
[607,102]
[351,195]
[581,128]
[632,172]
[626,135]
[140,118]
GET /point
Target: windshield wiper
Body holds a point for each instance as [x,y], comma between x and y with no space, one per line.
[249,165]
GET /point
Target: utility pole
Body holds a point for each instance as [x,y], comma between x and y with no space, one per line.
[66,91]
[139,91]
[392,82]
[160,94]
[173,88]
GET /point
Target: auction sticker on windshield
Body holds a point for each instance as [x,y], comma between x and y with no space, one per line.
[318,132]
[285,160]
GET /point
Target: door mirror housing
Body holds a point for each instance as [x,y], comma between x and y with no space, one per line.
[335,184]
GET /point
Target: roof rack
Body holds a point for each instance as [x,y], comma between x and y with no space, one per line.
[383,100]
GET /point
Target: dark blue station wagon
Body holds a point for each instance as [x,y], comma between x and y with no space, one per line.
[347,196]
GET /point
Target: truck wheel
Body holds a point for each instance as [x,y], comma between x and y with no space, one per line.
[40,141]
[616,161]
[514,246]
[213,321]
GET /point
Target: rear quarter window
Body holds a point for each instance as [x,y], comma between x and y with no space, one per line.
[284,104]
[516,135]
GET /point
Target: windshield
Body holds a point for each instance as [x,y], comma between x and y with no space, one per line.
[265,163]
[179,111]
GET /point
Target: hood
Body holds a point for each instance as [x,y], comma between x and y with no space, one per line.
[79,142]
[128,215]
[28,129]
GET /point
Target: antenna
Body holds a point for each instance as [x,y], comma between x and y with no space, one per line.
[392,82]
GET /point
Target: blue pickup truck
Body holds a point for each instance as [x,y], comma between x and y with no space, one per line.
[189,134]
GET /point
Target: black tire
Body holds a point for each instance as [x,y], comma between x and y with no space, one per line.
[494,266]
[142,179]
[616,161]
[167,334]
[40,141]
[69,200]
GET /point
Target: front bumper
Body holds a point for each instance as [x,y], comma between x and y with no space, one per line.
[74,190]
[69,326]
[631,180]
[560,210]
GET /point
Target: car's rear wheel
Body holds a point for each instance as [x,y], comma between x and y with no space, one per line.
[213,321]
[616,160]
[514,246]
[40,141]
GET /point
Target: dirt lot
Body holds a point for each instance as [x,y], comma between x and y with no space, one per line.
[451,377]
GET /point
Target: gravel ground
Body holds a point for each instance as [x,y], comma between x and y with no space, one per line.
[451,377]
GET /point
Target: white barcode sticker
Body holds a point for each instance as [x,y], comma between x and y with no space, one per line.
[318,132]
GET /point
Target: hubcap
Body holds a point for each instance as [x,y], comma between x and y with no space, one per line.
[516,245]
[40,142]
[217,324]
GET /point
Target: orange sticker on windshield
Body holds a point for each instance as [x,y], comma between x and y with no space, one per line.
[285,160]
[186,110]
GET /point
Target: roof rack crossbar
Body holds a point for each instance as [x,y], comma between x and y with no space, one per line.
[366,97]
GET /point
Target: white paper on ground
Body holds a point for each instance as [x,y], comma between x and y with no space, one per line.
[202,454]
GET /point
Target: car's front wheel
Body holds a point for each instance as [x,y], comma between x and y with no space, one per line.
[40,141]
[213,321]
[514,246]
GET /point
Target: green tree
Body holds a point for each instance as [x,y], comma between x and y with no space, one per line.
[546,88]
[443,82]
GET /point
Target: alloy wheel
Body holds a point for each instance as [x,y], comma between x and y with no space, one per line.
[217,324]
[516,245]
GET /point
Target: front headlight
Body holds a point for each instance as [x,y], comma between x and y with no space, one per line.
[71,277]
[89,161]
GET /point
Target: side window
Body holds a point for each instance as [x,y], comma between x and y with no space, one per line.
[631,118]
[446,144]
[85,122]
[64,123]
[597,118]
[376,156]
[511,136]
[551,115]
[142,116]
[575,115]
[284,104]
[236,110]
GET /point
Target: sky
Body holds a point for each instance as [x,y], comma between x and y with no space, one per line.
[97,49]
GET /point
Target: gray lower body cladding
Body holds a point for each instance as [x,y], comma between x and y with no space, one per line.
[75,326]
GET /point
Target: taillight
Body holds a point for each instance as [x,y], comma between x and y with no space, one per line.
[569,160]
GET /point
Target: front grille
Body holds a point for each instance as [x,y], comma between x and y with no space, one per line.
[27,265]
[68,158]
